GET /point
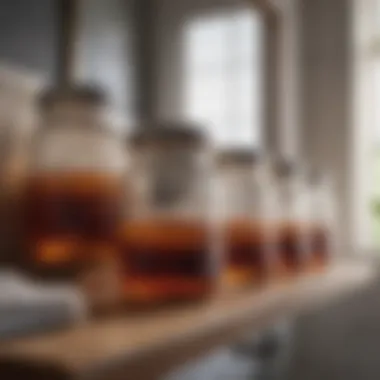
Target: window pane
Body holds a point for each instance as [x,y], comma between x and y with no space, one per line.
[374,169]
[205,42]
[222,76]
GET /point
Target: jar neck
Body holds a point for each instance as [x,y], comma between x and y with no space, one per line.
[74,115]
[172,182]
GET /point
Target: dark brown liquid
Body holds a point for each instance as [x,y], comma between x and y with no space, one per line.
[166,260]
[320,247]
[67,213]
[293,248]
[247,252]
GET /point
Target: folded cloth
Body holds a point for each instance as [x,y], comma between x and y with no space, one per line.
[27,306]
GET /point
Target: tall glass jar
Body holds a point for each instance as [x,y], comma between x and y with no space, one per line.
[294,217]
[75,190]
[246,219]
[167,243]
[322,225]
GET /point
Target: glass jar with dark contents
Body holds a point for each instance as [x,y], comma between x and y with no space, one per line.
[247,240]
[322,220]
[294,217]
[167,244]
[75,190]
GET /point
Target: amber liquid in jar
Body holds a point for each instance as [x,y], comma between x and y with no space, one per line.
[71,217]
[320,247]
[166,261]
[247,253]
[291,249]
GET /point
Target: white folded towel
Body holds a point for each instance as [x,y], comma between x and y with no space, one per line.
[27,306]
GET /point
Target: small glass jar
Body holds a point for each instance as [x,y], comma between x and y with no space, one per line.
[294,217]
[246,218]
[322,220]
[75,190]
[167,243]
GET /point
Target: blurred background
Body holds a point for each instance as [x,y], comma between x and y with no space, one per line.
[296,77]
[288,78]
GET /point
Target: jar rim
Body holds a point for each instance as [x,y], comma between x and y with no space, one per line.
[87,94]
[172,133]
[238,156]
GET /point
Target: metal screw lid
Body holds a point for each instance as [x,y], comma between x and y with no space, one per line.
[79,93]
[171,132]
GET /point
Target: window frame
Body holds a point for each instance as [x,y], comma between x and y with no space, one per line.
[366,51]
[273,71]
[274,65]
[230,73]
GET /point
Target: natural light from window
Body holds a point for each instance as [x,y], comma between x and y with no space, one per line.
[223,73]
[366,140]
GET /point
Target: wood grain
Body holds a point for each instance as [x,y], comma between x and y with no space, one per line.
[147,346]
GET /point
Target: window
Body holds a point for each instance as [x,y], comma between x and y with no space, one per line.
[223,74]
[366,138]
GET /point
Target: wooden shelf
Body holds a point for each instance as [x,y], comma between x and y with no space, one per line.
[148,346]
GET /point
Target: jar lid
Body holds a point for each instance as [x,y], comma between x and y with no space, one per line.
[78,93]
[284,167]
[175,133]
[238,156]
[316,176]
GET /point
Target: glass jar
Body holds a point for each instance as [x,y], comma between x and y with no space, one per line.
[294,217]
[322,220]
[167,243]
[246,217]
[75,190]
[18,92]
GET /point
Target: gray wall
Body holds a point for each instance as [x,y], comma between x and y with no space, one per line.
[104,49]
[325,48]
[287,127]
[28,34]
[340,342]
[29,31]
